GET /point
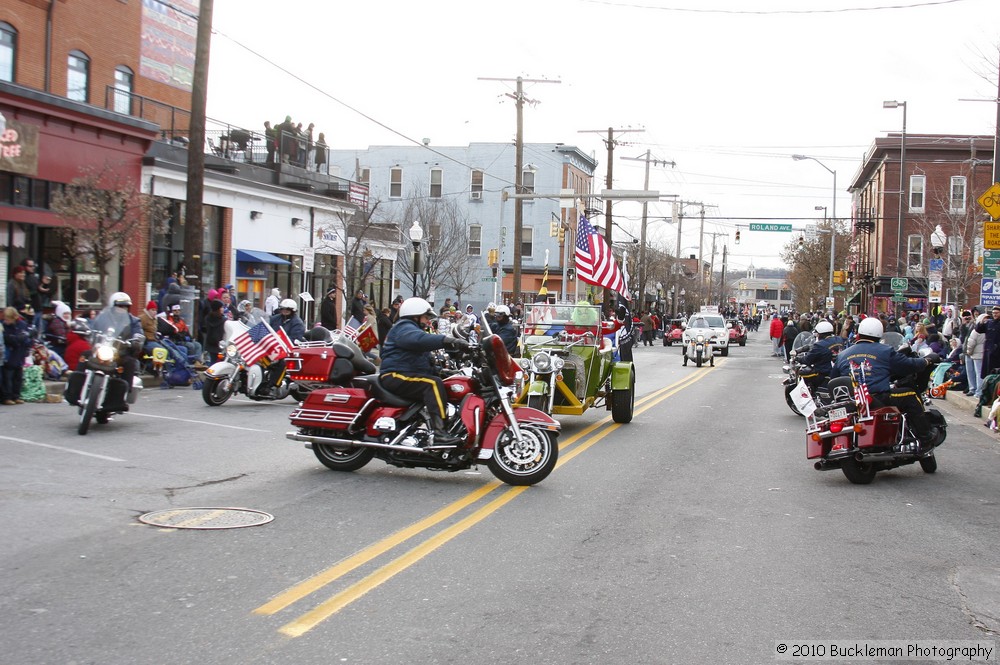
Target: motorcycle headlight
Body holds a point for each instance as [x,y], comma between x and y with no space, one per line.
[231,351]
[525,363]
[105,353]
[542,362]
[700,339]
[557,363]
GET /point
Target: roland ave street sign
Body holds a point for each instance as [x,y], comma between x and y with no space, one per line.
[787,228]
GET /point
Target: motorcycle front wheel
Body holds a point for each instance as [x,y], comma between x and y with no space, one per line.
[527,462]
[539,402]
[339,458]
[216,391]
[89,408]
[789,401]
[698,359]
[929,463]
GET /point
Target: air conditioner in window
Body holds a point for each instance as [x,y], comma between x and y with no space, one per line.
[477,196]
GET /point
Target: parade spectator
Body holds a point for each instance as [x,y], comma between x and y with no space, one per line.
[17,344]
[320,158]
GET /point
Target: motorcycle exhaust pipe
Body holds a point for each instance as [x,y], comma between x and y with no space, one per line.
[295,436]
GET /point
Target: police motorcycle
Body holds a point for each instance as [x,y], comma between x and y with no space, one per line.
[97,388]
[231,375]
[845,432]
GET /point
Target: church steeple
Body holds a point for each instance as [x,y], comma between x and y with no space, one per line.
[751,271]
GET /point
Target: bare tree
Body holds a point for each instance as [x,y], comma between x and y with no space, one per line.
[107,217]
[444,251]
[810,273]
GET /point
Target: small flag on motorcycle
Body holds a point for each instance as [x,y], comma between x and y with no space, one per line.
[262,340]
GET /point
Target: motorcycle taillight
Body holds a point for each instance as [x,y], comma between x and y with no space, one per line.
[837,426]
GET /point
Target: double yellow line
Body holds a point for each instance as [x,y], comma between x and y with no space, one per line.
[335,603]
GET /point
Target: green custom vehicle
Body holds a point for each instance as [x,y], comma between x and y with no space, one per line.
[569,365]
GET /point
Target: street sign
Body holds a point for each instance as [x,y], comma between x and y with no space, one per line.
[991,234]
[987,296]
[990,200]
[933,291]
[899,283]
[786,228]
[900,299]
[829,303]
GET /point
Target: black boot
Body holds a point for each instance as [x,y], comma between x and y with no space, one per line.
[442,437]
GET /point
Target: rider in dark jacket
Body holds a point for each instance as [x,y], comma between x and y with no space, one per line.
[822,353]
[503,328]
[876,365]
[406,369]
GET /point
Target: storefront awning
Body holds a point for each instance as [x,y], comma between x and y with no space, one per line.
[250,256]
[854,299]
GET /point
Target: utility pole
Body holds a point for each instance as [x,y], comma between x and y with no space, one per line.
[642,233]
[701,245]
[711,268]
[519,100]
[610,143]
[194,223]
[722,284]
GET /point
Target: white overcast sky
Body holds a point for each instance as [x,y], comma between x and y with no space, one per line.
[727,89]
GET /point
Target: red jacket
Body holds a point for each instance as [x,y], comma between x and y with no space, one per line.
[777,328]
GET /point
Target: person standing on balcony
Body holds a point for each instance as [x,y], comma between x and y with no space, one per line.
[321,154]
[270,142]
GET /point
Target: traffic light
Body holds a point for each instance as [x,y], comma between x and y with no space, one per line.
[562,233]
[553,228]
[839,277]
[492,258]
[737,236]
[802,241]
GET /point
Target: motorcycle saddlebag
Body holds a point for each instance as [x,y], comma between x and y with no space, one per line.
[333,408]
[74,386]
[883,430]
[117,391]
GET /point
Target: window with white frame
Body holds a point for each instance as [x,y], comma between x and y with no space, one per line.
[124,79]
[957,193]
[527,235]
[477,183]
[918,184]
[8,51]
[528,181]
[396,183]
[77,76]
[914,256]
[475,240]
[437,178]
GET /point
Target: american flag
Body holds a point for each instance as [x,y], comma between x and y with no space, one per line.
[864,399]
[260,341]
[594,262]
[352,327]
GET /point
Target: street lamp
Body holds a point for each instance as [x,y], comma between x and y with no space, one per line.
[416,235]
[833,227]
[892,104]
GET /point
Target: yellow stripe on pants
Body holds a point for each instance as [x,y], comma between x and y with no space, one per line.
[423,379]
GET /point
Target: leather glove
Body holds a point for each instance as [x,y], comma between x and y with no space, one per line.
[932,358]
[456,343]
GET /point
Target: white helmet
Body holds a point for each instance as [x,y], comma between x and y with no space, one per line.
[288,303]
[503,309]
[120,298]
[870,327]
[824,327]
[415,307]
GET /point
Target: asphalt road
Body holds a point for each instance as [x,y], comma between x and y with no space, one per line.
[698,533]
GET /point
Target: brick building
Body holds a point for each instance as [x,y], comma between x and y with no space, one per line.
[943,176]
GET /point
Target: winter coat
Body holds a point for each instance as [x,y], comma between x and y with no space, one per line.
[777,328]
[17,342]
[293,326]
[975,344]
[407,349]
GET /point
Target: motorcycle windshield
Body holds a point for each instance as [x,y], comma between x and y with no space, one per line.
[802,340]
[892,339]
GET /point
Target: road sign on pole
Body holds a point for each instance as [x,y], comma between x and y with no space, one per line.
[990,200]
[899,283]
[786,228]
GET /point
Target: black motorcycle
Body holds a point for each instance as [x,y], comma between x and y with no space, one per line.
[96,388]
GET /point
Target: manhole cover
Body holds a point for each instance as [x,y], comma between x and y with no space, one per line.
[206,518]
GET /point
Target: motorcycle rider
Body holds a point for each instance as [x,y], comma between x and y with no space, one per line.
[288,320]
[503,327]
[822,353]
[876,365]
[117,318]
[406,368]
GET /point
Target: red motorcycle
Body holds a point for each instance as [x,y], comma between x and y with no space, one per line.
[347,427]
[845,434]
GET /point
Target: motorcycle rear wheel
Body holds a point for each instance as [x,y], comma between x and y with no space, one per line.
[525,463]
[342,459]
[859,473]
[88,410]
[216,391]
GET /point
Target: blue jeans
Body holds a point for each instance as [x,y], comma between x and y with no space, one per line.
[973,375]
